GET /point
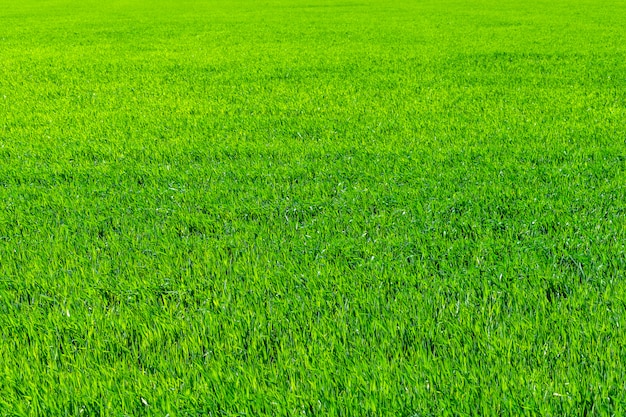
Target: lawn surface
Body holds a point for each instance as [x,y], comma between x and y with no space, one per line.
[331,208]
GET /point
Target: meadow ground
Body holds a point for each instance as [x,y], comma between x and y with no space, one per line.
[333,208]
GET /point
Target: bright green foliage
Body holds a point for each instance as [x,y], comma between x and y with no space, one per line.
[332,208]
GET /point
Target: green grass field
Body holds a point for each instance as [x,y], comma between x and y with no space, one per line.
[312,207]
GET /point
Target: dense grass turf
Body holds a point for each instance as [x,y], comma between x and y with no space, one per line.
[290,207]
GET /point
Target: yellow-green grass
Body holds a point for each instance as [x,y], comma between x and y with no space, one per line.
[327,208]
